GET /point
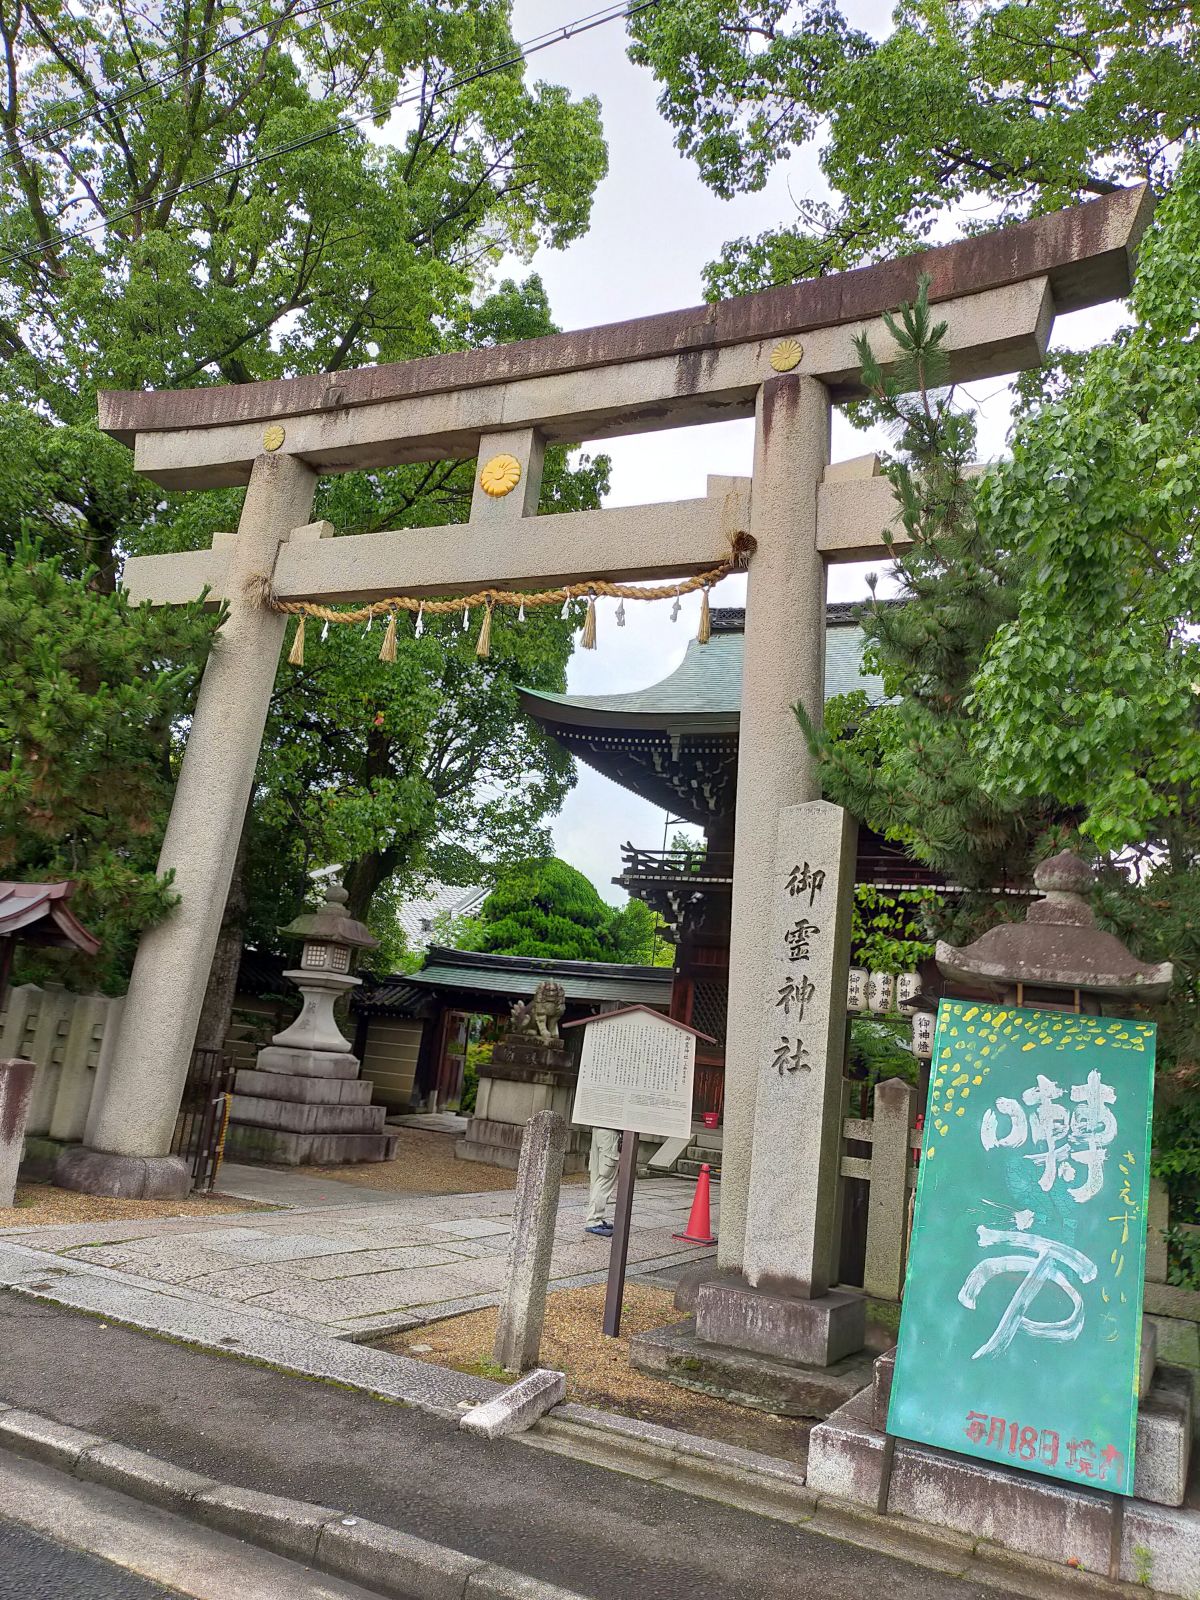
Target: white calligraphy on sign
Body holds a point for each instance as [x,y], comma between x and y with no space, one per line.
[1073,1139]
[635,1074]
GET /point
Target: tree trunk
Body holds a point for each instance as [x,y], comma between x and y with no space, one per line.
[217,1010]
[365,876]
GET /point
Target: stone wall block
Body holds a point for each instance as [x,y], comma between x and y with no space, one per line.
[46,1049]
[76,1078]
[104,1063]
[18,1020]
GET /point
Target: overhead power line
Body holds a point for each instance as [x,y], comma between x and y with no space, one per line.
[540,42]
[27,140]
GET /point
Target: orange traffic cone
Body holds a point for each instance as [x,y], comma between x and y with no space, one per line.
[699,1228]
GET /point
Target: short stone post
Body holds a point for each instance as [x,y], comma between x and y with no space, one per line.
[523,1309]
[16,1093]
[887,1202]
[1158,1220]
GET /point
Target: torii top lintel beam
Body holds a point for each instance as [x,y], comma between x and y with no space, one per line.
[1084,253]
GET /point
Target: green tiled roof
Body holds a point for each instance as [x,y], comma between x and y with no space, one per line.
[705,690]
[585,982]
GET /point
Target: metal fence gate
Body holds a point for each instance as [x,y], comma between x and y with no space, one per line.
[204,1115]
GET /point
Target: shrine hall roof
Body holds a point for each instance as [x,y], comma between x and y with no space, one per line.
[704,693]
[452,974]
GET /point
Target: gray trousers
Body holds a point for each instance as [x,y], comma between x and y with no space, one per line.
[602,1167]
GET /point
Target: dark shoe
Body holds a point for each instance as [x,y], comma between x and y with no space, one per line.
[603,1230]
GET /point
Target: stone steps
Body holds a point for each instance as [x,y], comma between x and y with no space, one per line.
[292,1116]
[245,1142]
[310,1091]
[686,1167]
[705,1145]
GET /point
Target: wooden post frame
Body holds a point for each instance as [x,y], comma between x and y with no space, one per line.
[619,1253]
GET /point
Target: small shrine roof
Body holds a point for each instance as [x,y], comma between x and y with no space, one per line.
[704,693]
[38,914]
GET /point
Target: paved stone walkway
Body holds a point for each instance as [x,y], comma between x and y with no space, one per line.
[358,1263]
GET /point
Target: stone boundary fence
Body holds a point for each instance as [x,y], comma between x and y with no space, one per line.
[891,1172]
[70,1038]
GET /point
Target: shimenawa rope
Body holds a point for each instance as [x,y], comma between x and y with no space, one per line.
[741,548]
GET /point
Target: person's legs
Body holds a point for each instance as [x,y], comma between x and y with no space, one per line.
[602,1168]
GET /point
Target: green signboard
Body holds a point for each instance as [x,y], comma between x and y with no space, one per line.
[1020,1335]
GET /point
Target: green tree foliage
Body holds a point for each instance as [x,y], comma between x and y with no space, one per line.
[889,929]
[1044,666]
[88,685]
[543,907]
[1088,693]
[1019,107]
[905,766]
[639,936]
[123,264]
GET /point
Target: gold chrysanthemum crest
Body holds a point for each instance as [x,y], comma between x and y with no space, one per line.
[788,353]
[500,476]
[273,436]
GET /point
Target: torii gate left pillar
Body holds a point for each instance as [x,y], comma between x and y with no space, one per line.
[782,357]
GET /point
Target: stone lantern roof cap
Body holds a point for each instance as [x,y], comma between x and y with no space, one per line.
[330,925]
[1058,946]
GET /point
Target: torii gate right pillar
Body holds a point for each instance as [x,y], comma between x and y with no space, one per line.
[784,663]
[794,859]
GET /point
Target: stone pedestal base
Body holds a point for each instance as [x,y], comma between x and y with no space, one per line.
[762,1384]
[302,1107]
[523,1078]
[123,1177]
[307,1063]
[1162,1454]
[1023,1511]
[815,1333]
[498,1144]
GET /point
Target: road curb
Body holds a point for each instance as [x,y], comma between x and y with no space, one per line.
[392,1563]
[771,1488]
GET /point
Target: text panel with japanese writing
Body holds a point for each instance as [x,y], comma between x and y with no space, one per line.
[1020,1335]
[635,1075]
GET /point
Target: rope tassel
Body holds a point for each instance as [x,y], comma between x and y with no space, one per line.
[704,631]
[483,646]
[587,639]
[387,650]
[296,653]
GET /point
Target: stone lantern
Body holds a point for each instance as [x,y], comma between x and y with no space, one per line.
[1057,959]
[304,1101]
[332,943]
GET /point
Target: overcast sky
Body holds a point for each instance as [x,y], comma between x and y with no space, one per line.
[654,227]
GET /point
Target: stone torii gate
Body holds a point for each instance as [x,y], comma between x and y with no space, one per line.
[783,356]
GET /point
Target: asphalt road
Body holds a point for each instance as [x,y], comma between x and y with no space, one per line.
[597,1532]
[36,1568]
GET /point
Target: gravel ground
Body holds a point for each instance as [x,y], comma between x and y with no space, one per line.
[425,1164]
[598,1370]
[41,1204]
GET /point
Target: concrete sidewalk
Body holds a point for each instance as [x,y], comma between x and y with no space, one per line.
[358,1262]
[601,1534]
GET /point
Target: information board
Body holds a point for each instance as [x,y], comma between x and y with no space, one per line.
[635,1074]
[1020,1333]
